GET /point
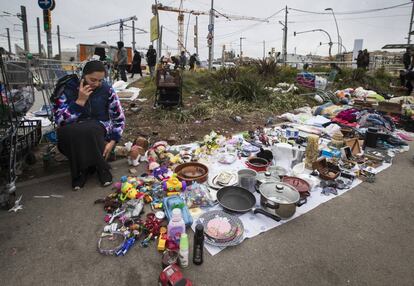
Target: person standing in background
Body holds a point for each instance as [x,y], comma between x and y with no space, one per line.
[136,64]
[407,59]
[122,60]
[183,60]
[360,60]
[365,59]
[151,59]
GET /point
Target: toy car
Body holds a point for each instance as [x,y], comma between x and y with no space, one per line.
[172,276]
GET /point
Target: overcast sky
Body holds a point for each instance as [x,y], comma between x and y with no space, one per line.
[76,16]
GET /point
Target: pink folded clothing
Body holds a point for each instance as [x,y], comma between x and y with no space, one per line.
[405,136]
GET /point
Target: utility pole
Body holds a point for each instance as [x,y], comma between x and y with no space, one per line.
[39,41]
[241,48]
[47,28]
[23,17]
[8,40]
[196,35]
[58,36]
[133,35]
[264,49]
[159,42]
[285,31]
[411,25]
[210,37]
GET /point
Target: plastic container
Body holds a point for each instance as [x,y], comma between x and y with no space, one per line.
[183,254]
[176,226]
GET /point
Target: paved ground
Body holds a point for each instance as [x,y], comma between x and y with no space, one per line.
[364,237]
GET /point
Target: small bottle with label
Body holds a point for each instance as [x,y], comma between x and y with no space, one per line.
[183,253]
[176,226]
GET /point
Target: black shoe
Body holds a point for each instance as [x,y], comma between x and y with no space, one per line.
[105,177]
[79,182]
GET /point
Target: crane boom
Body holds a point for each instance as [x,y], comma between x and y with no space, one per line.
[114,22]
[121,25]
[181,11]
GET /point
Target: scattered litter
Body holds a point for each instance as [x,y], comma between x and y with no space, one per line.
[49,196]
[17,206]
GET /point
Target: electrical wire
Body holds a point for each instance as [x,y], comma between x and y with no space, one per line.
[248,27]
[352,12]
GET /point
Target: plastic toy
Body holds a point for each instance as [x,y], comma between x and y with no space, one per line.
[173,184]
[160,173]
[126,246]
[172,276]
[177,202]
[162,239]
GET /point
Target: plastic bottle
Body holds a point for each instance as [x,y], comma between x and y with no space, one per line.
[176,226]
[198,244]
[183,254]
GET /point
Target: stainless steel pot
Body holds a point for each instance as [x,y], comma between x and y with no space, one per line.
[280,199]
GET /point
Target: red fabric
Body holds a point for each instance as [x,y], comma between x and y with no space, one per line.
[344,122]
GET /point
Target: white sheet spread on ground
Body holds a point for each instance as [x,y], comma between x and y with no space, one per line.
[255,224]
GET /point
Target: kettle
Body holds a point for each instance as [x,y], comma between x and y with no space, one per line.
[283,155]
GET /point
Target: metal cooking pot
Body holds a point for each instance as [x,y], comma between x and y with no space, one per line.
[280,199]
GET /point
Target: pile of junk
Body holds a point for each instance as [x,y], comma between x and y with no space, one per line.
[227,189]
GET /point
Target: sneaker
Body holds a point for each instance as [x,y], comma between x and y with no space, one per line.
[79,182]
[105,177]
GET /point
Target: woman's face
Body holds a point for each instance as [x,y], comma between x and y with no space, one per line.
[95,79]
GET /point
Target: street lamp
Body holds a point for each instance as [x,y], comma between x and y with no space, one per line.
[318,30]
[337,29]
[345,49]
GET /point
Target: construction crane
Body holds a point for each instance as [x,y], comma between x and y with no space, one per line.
[115,22]
[181,11]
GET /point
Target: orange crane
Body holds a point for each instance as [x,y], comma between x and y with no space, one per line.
[181,11]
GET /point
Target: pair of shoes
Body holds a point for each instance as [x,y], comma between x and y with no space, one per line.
[105,177]
[79,182]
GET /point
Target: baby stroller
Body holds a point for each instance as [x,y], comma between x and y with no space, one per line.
[169,87]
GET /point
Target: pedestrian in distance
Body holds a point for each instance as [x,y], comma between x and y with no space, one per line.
[193,61]
[136,64]
[407,59]
[151,59]
[90,121]
[183,60]
[360,60]
[365,59]
[122,60]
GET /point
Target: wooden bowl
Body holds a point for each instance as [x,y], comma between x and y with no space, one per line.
[192,171]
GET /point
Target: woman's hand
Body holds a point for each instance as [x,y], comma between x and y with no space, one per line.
[108,148]
[84,93]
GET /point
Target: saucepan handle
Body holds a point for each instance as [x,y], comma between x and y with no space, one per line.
[301,202]
[270,206]
[263,212]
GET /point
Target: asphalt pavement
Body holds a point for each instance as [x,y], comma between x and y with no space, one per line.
[363,237]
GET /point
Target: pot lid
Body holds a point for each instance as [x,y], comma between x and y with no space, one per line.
[267,177]
[280,193]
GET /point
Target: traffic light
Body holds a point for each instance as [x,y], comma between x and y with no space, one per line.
[47,20]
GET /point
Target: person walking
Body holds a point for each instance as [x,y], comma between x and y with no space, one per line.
[151,59]
[122,60]
[136,64]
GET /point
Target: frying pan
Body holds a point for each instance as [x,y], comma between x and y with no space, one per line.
[240,200]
